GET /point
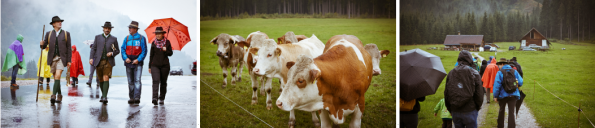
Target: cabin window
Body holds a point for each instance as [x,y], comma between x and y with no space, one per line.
[532,36]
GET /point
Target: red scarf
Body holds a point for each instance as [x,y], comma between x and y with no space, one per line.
[161,43]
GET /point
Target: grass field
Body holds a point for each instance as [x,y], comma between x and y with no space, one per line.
[217,111]
[569,74]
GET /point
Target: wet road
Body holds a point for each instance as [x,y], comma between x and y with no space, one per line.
[80,106]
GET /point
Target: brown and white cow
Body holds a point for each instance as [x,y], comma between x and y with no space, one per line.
[334,82]
[290,37]
[272,59]
[251,60]
[230,55]
[376,56]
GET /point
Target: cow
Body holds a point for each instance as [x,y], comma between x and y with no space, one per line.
[251,60]
[376,55]
[230,55]
[272,58]
[290,37]
[334,82]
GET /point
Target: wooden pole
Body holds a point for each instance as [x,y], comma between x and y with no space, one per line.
[39,67]
[579,115]
[533,89]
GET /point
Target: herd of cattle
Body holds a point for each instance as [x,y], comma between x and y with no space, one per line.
[331,78]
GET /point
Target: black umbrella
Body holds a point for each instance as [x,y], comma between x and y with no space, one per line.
[520,102]
[421,73]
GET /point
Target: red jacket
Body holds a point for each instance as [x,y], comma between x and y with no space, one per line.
[76,66]
[489,74]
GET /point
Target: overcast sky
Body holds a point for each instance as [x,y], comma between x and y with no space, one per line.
[145,11]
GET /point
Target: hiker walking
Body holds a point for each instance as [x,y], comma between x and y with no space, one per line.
[506,91]
[484,64]
[488,78]
[104,49]
[159,64]
[59,42]
[76,68]
[134,50]
[444,114]
[92,70]
[45,68]
[514,62]
[409,119]
[462,93]
[15,59]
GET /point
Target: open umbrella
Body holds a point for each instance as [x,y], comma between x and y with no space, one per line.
[177,33]
[421,73]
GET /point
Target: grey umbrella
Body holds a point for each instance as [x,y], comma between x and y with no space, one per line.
[420,72]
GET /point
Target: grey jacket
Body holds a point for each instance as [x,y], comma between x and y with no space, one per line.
[63,45]
[97,50]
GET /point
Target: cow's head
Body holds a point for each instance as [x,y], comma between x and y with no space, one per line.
[300,91]
[288,38]
[253,37]
[376,55]
[224,44]
[268,55]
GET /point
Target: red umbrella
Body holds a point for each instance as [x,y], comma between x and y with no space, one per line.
[177,33]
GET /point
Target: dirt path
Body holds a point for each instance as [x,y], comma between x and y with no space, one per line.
[524,119]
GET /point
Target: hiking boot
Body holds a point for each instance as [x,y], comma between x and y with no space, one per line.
[53,99]
[59,100]
[88,83]
[154,101]
[137,100]
[101,100]
[160,101]
[131,101]
[104,100]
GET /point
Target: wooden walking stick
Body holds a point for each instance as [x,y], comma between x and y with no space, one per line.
[39,67]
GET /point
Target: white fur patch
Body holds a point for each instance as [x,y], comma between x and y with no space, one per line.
[348,44]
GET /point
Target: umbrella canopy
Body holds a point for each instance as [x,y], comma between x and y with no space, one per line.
[177,33]
[421,73]
[88,42]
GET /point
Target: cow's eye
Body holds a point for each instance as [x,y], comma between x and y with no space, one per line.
[269,55]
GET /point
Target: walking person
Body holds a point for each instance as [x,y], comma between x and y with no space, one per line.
[134,50]
[514,62]
[506,92]
[159,65]
[462,94]
[59,42]
[15,59]
[484,64]
[488,78]
[92,70]
[76,68]
[45,68]
[444,114]
[410,119]
[105,48]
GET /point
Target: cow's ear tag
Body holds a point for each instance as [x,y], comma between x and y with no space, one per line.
[384,55]
[245,47]
[236,44]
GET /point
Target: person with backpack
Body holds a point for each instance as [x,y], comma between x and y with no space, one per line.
[59,54]
[134,51]
[506,91]
[482,69]
[408,112]
[444,114]
[463,94]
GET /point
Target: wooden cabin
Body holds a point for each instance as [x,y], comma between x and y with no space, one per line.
[534,39]
[463,42]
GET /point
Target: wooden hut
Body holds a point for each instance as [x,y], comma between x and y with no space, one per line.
[534,39]
[463,42]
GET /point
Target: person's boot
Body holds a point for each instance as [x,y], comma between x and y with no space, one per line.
[161,101]
[59,100]
[131,101]
[104,100]
[154,101]
[136,100]
[89,83]
[53,99]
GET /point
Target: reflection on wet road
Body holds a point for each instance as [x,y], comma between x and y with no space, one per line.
[81,108]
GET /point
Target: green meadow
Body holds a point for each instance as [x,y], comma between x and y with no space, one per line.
[569,74]
[217,111]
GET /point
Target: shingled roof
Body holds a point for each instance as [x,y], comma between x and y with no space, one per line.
[458,39]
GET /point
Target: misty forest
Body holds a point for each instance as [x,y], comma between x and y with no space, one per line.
[297,9]
[429,21]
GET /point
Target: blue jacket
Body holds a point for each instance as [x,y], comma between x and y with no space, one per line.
[499,91]
[134,47]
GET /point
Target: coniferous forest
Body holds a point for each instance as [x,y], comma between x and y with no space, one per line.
[429,21]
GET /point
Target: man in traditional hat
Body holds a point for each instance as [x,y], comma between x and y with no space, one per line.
[15,59]
[104,49]
[134,51]
[60,53]
[502,96]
